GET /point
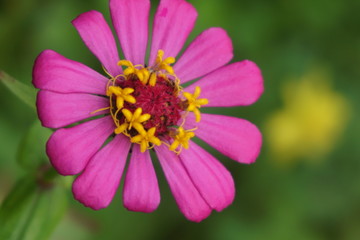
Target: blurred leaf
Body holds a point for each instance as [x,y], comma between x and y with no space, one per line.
[26,93]
[49,210]
[31,151]
[16,208]
[31,211]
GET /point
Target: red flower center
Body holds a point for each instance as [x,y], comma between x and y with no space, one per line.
[146,104]
[160,101]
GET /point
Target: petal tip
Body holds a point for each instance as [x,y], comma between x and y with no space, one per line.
[143,209]
[258,80]
[54,157]
[39,109]
[38,67]
[198,218]
[84,16]
[94,202]
[257,144]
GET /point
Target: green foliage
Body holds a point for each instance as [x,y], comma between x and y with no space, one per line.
[31,151]
[26,93]
[16,209]
[32,210]
[49,210]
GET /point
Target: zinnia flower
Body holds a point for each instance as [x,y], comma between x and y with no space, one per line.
[139,107]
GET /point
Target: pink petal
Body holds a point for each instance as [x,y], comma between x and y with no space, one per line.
[61,109]
[187,197]
[141,189]
[173,22]
[210,50]
[237,84]
[59,74]
[97,35]
[210,177]
[130,19]
[97,185]
[236,138]
[69,149]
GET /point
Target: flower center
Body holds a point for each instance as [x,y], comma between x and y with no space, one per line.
[147,104]
[161,102]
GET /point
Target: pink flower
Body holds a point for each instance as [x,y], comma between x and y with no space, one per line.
[139,107]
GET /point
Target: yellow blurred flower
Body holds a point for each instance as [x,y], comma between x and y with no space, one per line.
[312,119]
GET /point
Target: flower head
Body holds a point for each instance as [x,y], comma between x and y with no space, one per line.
[312,119]
[142,107]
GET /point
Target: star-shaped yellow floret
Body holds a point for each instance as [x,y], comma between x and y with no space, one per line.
[181,139]
[133,120]
[143,73]
[145,138]
[164,64]
[195,103]
[121,95]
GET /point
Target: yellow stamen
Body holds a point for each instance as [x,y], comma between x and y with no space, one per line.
[122,128]
[125,63]
[148,75]
[143,73]
[145,138]
[136,119]
[99,110]
[122,95]
[167,68]
[164,64]
[153,78]
[181,139]
[159,56]
[195,103]
[112,78]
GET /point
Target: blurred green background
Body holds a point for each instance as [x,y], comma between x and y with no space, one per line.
[306,182]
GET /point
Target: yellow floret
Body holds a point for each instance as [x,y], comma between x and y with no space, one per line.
[181,139]
[145,138]
[195,103]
